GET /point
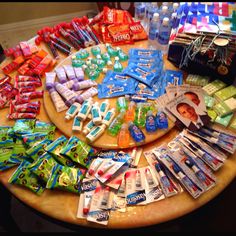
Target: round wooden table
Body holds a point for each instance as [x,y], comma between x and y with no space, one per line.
[63,205]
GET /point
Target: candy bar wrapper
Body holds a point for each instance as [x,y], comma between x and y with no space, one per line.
[25,48]
[38,150]
[33,139]
[6,141]
[42,167]
[23,176]
[43,127]
[78,151]
[137,31]
[88,188]
[24,126]
[120,34]
[5,154]
[55,148]
[65,178]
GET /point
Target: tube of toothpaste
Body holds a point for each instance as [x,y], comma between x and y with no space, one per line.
[57,100]
[50,79]
[61,74]
[69,71]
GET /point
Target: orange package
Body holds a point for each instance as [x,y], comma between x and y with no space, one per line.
[137,31]
[114,16]
[106,36]
[120,34]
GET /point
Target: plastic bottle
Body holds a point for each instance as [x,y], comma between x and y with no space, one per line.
[117,65]
[96,50]
[164,35]
[122,56]
[111,51]
[150,122]
[123,137]
[100,62]
[88,127]
[115,125]
[77,124]
[152,8]
[121,103]
[85,109]
[71,112]
[153,31]
[136,133]
[175,6]
[96,115]
[76,62]
[164,13]
[95,133]
[146,19]
[139,11]
[140,115]
[173,20]
[109,116]
[161,120]
[104,107]
[130,113]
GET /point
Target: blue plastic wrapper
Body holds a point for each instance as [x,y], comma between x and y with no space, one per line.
[144,53]
[141,74]
[173,77]
[147,92]
[116,88]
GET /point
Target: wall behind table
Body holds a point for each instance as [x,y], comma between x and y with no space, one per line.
[21,11]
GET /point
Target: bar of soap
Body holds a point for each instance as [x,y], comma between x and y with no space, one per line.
[209,101]
[224,120]
[225,107]
[214,86]
[225,93]
[212,114]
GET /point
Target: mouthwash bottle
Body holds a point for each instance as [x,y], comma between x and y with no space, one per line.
[130,113]
[123,137]
[150,122]
[122,56]
[100,62]
[111,51]
[76,62]
[106,57]
[117,65]
[96,50]
[136,133]
[115,125]
[140,115]
[121,103]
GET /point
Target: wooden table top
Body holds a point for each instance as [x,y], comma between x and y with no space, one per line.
[63,205]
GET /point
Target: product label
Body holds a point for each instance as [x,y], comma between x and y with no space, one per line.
[163,38]
[95,131]
[108,116]
[95,113]
[84,109]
